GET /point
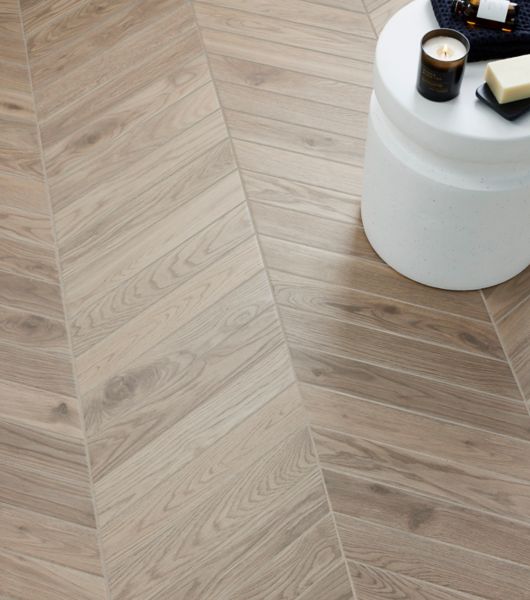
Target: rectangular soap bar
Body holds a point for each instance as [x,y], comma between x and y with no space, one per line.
[509,79]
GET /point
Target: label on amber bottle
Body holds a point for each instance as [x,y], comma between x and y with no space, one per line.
[493,10]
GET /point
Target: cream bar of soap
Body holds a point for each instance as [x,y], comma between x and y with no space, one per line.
[509,79]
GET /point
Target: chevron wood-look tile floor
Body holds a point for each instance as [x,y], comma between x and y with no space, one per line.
[211,388]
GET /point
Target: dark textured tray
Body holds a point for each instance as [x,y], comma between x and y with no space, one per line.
[510,111]
[489,44]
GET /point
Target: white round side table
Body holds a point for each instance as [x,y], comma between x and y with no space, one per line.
[446,199]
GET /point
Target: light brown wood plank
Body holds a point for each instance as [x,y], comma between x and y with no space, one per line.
[283,81]
[104,66]
[24,194]
[32,331]
[299,11]
[440,564]
[114,406]
[333,586]
[383,13]
[31,295]
[315,171]
[53,540]
[27,578]
[51,372]
[428,517]
[104,314]
[214,466]
[39,409]
[312,231]
[367,276]
[16,101]
[293,110]
[396,352]
[379,423]
[79,175]
[302,198]
[294,570]
[19,154]
[423,474]
[257,26]
[23,225]
[269,132]
[211,531]
[424,396]
[28,259]
[514,331]
[373,311]
[376,584]
[501,299]
[37,13]
[95,121]
[11,39]
[54,496]
[301,60]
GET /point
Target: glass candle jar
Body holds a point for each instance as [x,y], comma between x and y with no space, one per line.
[442,62]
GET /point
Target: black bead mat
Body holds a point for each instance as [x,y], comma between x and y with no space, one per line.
[489,44]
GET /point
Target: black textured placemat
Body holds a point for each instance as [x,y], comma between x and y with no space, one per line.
[489,44]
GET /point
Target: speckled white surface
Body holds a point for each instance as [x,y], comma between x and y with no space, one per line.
[446,196]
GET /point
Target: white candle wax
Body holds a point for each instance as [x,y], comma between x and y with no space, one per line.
[444,47]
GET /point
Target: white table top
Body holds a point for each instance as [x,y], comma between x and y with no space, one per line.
[462,127]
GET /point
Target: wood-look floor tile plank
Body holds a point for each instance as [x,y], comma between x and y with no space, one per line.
[104,314]
[335,119]
[335,585]
[50,539]
[54,50]
[40,409]
[214,466]
[125,260]
[373,311]
[91,228]
[382,14]
[40,492]
[135,405]
[302,60]
[42,451]
[19,153]
[290,83]
[202,421]
[299,11]
[297,568]
[306,140]
[377,584]
[21,224]
[37,13]
[32,331]
[95,121]
[75,175]
[25,578]
[302,198]
[11,39]
[514,331]
[355,5]
[423,474]
[32,295]
[28,259]
[16,101]
[229,20]
[312,231]
[215,536]
[367,276]
[104,66]
[424,396]
[501,299]
[428,517]
[386,425]
[396,352]
[24,194]
[439,564]
[50,372]
[315,171]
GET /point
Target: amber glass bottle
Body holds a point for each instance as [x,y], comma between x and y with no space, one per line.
[494,14]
